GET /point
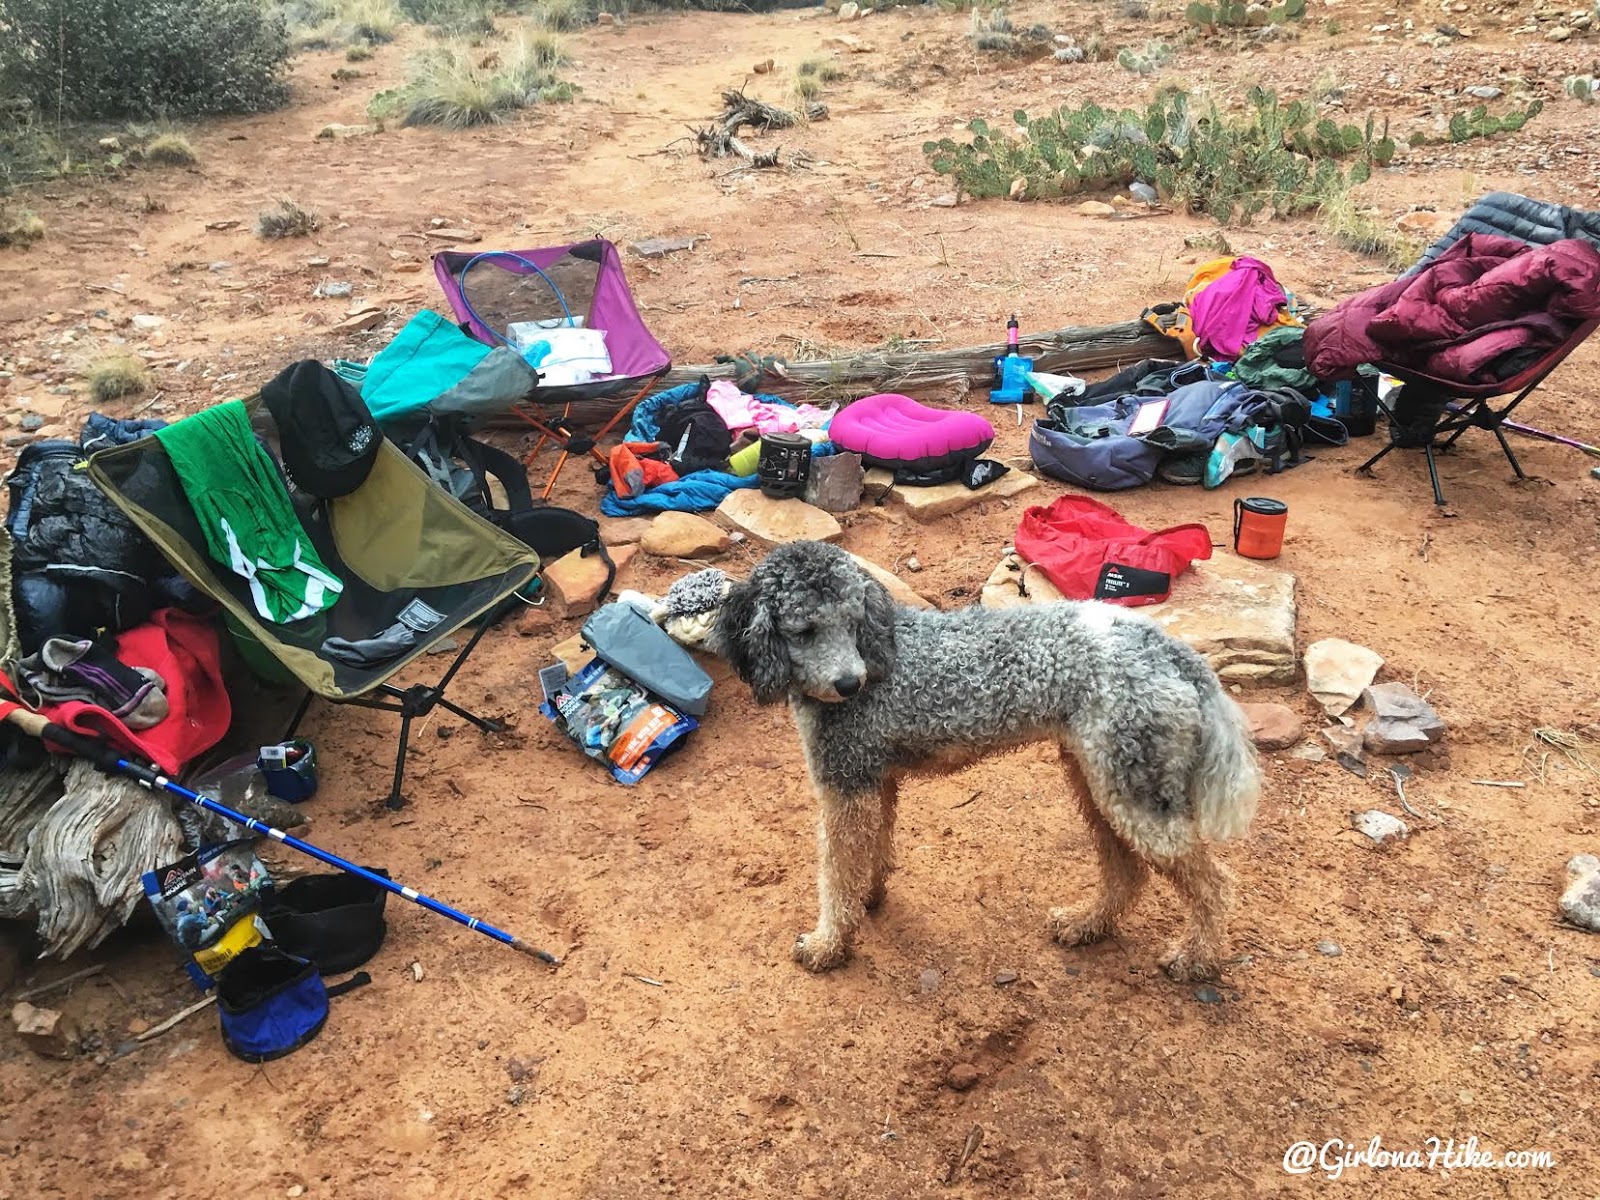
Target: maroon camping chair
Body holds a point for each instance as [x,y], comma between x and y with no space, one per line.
[1464,406]
[490,290]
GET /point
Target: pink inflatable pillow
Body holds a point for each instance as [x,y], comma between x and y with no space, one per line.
[896,432]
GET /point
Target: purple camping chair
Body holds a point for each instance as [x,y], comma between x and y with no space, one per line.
[489,291]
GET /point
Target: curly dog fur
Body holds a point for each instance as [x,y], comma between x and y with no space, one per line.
[1156,752]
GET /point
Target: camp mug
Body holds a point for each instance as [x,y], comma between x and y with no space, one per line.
[1258,526]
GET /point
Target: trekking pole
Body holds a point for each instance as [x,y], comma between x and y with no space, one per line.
[1530,431]
[108,760]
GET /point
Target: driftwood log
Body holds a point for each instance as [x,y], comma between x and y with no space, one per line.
[721,139]
[1070,350]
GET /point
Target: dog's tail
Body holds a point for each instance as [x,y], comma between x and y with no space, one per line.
[1226,782]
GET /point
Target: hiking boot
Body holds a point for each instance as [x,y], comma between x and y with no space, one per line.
[1182,469]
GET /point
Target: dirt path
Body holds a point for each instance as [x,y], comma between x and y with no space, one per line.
[741,1075]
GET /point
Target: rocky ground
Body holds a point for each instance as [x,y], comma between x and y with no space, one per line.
[1421,986]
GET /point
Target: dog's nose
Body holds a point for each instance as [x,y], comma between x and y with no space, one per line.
[848,686]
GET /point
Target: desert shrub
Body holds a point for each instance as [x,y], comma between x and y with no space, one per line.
[170,150]
[360,52]
[456,87]
[824,69]
[563,15]
[286,219]
[369,21]
[1147,59]
[115,376]
[21,229]
[1273,157]
[1360,230]
[1237,13]
[143,58]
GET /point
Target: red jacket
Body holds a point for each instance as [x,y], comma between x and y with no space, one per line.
[1483,298]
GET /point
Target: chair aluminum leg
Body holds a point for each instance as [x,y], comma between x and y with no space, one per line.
[299,715]
[396,800]
[1373,461]
[1510,457]
[1433,475]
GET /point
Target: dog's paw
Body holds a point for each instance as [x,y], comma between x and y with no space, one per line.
[816,953]
[1073,928]
[1183,965]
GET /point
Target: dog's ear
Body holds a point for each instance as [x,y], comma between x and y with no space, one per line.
[875,641]
[748,638]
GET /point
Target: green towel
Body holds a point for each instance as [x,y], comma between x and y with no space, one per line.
[245,513]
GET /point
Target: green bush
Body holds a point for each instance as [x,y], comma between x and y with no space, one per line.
[143,58]
[1273,157]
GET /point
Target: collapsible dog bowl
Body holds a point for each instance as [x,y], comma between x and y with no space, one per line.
[336,921]
[270,1003]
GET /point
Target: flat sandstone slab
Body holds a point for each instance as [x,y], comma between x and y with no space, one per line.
[928,503]
[1239,615]
[777,521]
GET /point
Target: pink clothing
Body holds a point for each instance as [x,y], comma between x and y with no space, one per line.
[1229,313]
[740,411]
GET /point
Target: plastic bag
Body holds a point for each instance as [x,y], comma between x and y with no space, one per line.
[209,902]
[614,720]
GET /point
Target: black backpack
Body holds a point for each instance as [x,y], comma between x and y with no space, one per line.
[463,466]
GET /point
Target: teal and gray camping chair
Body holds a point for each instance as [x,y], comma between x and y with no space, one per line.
[394,541]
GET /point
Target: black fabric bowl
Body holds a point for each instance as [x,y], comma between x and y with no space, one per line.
[336,920]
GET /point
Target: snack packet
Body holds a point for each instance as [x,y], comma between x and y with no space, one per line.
[616,721]
[208,903]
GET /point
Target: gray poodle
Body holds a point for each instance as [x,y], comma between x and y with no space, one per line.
[1158,755]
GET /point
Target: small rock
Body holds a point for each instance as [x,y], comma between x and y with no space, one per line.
[661,247]
[416,972]
[849,10]
[1068,54]
[1424,224]
[778,521]
[1096,208]
[1402,721]
[146,323]
[1309,752]
[296,1191]
[942,499]
[514,1095]
[1484,93]
[1273,726]
[835,482]
[333,290]
[137,1026]
[1002,978]
[876,485]
[1379,826]
[1337,672]
[928,982]
[318,260]
[1019,188]
[1208,995]
[1559,34]
[948,200]
[962,1077]
[624,531]
[465,236]
[899,591]
[604,18]
[913,564]
[520,1071]
[1144,193]
[30,422]
[1580,903]
[339,133]
[574,583]
[110,144]
[359,321]
[1329,949]
[685,535]
[44,1030]
[764,67]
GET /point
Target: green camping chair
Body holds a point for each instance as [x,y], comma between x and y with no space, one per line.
[396,538]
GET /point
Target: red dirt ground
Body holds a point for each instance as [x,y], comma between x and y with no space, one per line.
[740,1074]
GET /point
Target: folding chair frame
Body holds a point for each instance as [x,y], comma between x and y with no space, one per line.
[573,441]
[418,700]
[1466,410]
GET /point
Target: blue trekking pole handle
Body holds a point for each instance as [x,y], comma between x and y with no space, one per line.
[110,761]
